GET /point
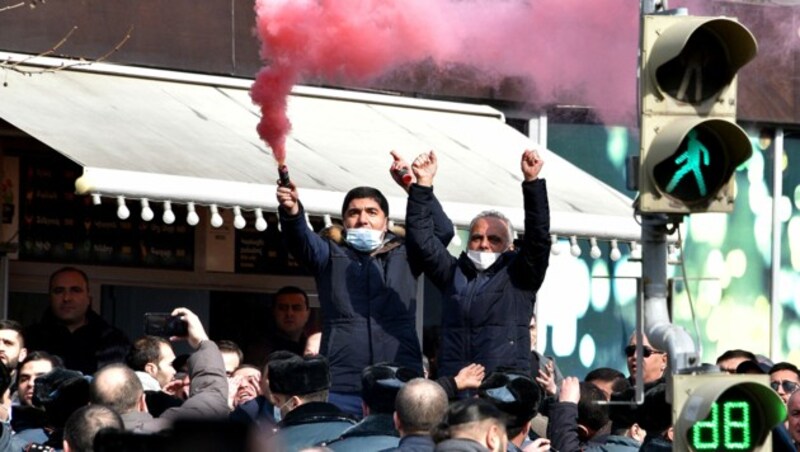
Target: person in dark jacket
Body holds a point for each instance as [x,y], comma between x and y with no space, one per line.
[299,388]
[71,330]
[471,425]
[518,397]
[379,387]
[626,434]
[366,285]
[578,420]
[489,291]
[419,407]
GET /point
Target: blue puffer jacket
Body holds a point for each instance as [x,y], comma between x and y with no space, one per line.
[368,300]
[485,315]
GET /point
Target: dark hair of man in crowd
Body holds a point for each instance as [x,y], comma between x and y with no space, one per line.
[591,414]
[123,395]
[737,353]
[366,192]
[623,415]
[39,355]
[226,346]
[61,270]
[785,366]
[420,406]
[604,374]
[146,349]
[86,422]
[286,290]
[463,415]
[7,324]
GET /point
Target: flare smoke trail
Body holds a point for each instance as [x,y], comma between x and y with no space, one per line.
[586,49]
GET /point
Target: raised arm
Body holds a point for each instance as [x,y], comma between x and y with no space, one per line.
[530,266]
[303,243]
[209,391]
[423,247]
[403,175]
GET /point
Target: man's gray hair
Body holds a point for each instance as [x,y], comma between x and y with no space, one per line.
[499,216]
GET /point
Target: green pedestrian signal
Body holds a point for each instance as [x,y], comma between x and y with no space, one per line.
[692,160]
[690,143]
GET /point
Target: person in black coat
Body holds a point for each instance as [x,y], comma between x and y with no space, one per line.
[366,285]
[299,388]
[488,292]
[71,330]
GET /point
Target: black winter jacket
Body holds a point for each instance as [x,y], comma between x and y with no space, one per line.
[485,315]
[368,300]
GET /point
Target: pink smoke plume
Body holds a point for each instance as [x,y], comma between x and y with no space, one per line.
[586,49]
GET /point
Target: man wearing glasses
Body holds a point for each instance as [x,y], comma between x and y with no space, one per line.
[654,362]
[784,378]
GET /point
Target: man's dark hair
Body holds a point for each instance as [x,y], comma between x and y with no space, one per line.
[226,346]
[464,412]
[618,380]
[785,366]
[380,384]
[146,349]
[420,406]
[513,393]
[366,192]
[245,366]
[623,415]
[8,324]
[655,415]
[590,413]
[288,290]
[604,374]
[84,424]
[68,270]
[737,353]
[123,395]
[55,360]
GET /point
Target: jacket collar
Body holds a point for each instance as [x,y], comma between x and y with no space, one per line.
[373,425]
[313,412]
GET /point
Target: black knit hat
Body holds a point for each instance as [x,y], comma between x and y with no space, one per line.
[513,393]
[60,392]
[293,375]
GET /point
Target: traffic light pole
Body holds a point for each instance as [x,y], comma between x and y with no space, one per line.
[658,327]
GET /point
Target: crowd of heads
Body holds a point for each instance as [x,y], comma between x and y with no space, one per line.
[502,408]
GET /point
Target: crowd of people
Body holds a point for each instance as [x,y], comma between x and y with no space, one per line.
[73,382]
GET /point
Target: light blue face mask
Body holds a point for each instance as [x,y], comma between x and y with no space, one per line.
[364,240]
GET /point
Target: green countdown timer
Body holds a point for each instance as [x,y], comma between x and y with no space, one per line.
[727,428]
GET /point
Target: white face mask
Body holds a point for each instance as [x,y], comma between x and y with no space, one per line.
[481,259]
[365,240]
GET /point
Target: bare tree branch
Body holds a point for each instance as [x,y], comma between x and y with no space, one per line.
[81,61]
[6,8]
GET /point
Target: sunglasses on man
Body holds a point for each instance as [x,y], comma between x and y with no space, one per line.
[787,385]
[646,351]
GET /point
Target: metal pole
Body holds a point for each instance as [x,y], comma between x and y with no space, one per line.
[775,255]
